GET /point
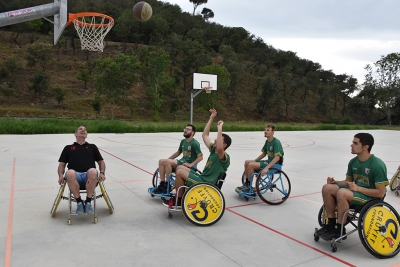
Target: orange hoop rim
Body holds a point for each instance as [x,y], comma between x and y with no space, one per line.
[72,17]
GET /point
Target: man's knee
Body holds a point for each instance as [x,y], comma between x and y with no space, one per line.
[70,175]
[92,174]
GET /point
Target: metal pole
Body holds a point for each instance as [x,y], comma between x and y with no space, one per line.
[192,96]
[27,14]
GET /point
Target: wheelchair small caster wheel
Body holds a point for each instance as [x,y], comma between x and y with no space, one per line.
[316,238]
[152,195]
[69,222]
[95,220]
[396,193]
[170,215]
[247,199]
[334,248]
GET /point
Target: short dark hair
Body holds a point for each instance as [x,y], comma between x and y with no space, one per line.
[227,140]
[193,128]
[366,139]
[270,126]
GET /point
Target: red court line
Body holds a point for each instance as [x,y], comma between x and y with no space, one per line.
[291,238]
[260,202]
[7,257]
[126,161]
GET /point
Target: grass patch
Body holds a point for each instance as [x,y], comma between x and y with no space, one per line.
[59,126]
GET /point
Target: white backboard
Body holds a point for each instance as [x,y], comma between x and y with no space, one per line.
[201,80]
[60,20]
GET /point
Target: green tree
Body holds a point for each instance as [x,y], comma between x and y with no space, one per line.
[59,93]
[207,14]
[83,75]
[40,83]
[197,3]
[114,76]
[223,81]
[96,105]
[385,78]
[38,52]
[154,66]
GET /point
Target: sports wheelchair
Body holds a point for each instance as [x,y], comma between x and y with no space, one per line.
[71,199]
[202,204]
[394,183]
[377,224]
[170,185]
[273,188]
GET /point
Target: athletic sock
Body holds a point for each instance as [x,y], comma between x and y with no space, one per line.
[79,199]
[88,199]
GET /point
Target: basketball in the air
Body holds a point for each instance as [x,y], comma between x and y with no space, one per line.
[142,11]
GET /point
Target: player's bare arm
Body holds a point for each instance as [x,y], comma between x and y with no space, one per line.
[206,132]
[378,192]
[60,171]
[220,141]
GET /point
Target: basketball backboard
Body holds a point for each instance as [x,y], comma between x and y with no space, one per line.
[201,80]
[60,19]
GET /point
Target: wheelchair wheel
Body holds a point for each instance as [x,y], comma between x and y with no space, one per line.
[322,216]
[171,178]
[106,197]
[243,178]
[273,188]
[203,204]
[394,183]
[378,228]
[58,199]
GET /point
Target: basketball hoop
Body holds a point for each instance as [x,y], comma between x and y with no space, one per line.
[92,28]
[208,89]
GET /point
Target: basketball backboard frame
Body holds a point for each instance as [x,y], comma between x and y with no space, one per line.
[201,80]
[60,19]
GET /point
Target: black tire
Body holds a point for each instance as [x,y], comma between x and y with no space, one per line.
[394,183]
[203,199]
[322,216]
[382,219]
[155,178]
[274,188]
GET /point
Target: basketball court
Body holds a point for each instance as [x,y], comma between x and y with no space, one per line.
[139,232]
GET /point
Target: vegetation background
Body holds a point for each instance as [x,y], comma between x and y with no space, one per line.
[145,72]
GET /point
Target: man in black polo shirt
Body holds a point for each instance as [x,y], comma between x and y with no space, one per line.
[81,157]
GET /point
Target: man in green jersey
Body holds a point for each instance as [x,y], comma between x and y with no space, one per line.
[272,148]
[366,179]
[217,163]
[190,148]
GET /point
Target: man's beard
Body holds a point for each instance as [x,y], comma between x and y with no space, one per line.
[186,135]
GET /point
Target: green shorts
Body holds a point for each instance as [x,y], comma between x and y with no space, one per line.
[263,163]
[194,178]
[179,162]
[358,198]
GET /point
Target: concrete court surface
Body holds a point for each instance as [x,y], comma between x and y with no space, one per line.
[139,233]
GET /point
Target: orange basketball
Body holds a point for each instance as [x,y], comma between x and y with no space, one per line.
[142,11]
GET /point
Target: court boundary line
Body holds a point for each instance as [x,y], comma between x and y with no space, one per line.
[7,256]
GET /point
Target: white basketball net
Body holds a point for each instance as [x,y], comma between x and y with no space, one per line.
[92,34]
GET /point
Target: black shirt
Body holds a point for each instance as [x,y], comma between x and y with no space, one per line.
[80,158]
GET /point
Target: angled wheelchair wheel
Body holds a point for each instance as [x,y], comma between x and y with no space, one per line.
[322,216]
[155,180]
[243,178]
[273,188]
[394,183]
[378,228]
[203,204]
[58,199]
[106,197]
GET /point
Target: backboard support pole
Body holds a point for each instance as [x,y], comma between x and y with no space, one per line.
[193,94]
